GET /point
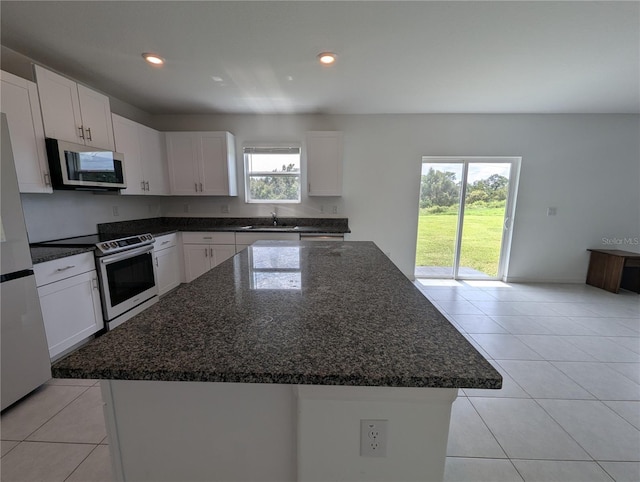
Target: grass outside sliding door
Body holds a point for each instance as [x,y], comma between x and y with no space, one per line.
[483,227]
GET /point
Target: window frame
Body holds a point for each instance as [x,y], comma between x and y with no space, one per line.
[275,148]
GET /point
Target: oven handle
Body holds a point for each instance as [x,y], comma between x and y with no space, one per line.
[127,254]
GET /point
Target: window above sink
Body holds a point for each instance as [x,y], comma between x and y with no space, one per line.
[272,174]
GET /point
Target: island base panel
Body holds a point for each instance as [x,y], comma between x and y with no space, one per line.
[329,432]
[167,431]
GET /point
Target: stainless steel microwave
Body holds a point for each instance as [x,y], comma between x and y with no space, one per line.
[74,166]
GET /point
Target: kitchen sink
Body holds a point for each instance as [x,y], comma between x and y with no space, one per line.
[269,228]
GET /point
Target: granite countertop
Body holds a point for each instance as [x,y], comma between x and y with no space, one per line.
[324,313]
[41,254]
[159,226]
[162,226]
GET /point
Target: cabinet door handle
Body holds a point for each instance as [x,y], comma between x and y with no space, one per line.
[81,132]
[66,268]
[47,179]
[200,187]
[196,184]
[142,185]
[206,252]
[211,250]
[94,282]
[309,187]
[157,266]
[147,184]
[89,133]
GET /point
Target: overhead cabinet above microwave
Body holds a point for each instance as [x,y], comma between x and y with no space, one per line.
[72,112]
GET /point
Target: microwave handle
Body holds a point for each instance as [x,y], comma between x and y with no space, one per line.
[127,254]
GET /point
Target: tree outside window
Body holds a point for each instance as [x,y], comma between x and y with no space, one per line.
[272,174]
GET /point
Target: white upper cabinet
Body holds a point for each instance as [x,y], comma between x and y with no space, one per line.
[73,112]
[201,163]
[153,152]
[144,152]
[96,118]
[19,101]
[324,163]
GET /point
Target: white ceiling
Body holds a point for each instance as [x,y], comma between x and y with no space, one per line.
[393,57]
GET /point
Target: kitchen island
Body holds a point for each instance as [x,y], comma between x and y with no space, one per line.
[263,368]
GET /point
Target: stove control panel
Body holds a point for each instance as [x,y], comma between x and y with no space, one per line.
[123,244]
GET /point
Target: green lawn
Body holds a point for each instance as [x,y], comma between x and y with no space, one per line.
[481,238]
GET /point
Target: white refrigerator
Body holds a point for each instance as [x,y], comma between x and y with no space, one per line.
[24,357]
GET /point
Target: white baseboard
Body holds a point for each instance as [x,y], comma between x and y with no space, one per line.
[526,279]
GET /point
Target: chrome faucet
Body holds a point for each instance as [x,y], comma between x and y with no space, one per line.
[274,216]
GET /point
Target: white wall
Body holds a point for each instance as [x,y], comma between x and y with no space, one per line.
[588,166]
[76,213]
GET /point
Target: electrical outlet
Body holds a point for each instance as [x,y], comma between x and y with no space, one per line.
[334,209]
[115,211]
[224,209]
[322,208]
[373,438]
[552,211]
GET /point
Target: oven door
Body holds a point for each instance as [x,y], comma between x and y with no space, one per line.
[127,280]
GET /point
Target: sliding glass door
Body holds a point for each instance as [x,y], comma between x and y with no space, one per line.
[464,223]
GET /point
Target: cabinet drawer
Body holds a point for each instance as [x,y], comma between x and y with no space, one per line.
[250,238]
[58,269]
[164,242]
[208,238]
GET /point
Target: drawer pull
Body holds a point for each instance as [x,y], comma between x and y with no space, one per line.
[66,268]
[207,237]
[165,242]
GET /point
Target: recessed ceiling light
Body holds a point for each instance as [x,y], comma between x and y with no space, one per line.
[327,58]
[154,59]
[215,78]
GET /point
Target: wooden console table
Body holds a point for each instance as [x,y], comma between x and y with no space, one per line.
[611,269]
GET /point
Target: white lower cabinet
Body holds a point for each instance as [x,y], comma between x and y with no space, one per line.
[203,251]
[167,259]
[70,301]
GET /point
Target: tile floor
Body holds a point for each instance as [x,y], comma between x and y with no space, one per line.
[570,407]
[569,410]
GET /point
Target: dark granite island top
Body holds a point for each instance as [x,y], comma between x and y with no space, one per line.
[321,313]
